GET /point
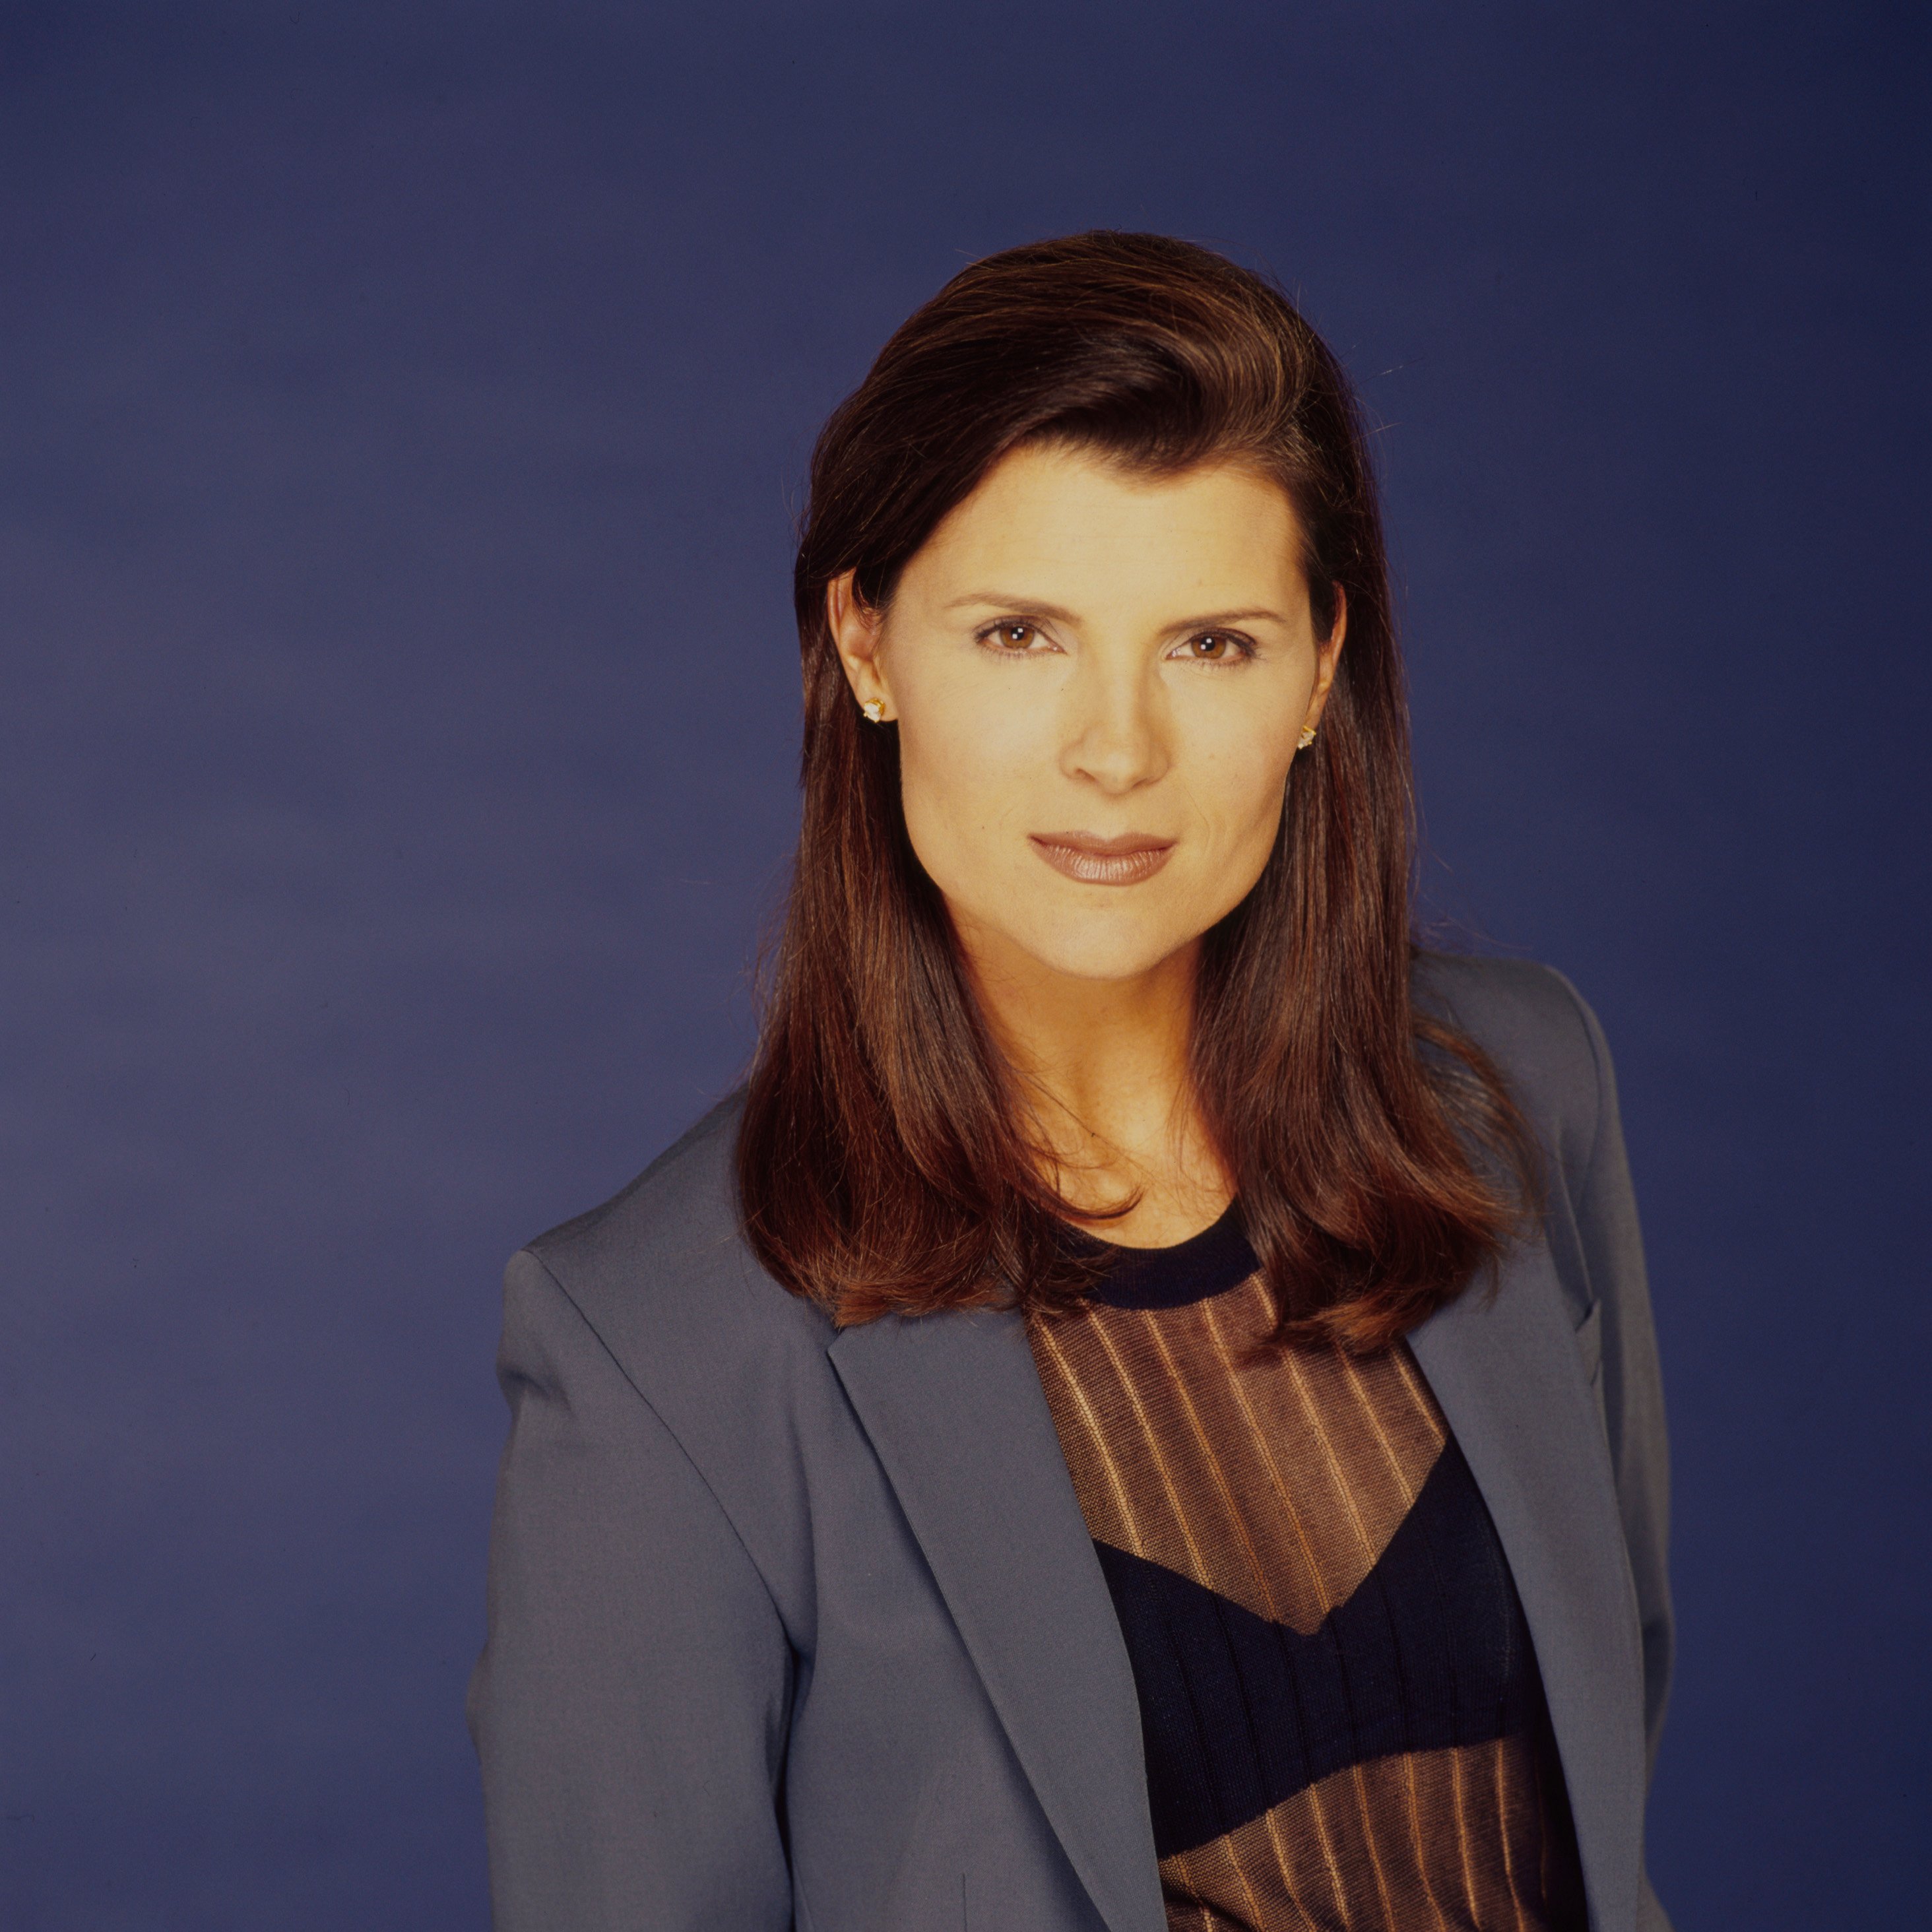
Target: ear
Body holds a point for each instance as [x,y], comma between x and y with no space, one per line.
[1327,655]
[856,632]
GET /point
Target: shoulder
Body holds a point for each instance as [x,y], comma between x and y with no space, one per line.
[1539,1031]
[681,1319]
[663,1274]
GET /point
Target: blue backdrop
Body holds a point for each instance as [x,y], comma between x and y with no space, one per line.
[405,408]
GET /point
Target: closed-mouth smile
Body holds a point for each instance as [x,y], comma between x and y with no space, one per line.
[1125,859]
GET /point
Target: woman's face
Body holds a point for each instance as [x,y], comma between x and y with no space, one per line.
[1098,679]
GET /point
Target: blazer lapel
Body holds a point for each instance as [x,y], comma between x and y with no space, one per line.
[952,1405]
[1507,1374]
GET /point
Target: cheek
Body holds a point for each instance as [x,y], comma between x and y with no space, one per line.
[969,759]
[1239,775]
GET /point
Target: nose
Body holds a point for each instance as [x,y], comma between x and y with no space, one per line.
[1116,726]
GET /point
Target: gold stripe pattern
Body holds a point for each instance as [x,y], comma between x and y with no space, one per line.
[1418,1881]
[1279,1484]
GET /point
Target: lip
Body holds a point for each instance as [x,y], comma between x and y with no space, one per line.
[1124,859]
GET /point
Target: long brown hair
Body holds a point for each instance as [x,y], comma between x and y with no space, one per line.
[884,1165]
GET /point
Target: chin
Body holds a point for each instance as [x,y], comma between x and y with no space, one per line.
[1100,955]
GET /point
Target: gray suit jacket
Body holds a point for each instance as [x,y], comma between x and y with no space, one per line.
[791,1626]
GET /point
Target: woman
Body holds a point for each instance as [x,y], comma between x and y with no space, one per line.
[1144,1412]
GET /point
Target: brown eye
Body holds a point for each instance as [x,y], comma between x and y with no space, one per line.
[1214,647]
[1012,637]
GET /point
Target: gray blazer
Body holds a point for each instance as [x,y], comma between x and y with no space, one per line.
[789,1627]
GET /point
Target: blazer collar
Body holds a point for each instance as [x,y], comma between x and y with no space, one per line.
[1508,1373]
[953,1407]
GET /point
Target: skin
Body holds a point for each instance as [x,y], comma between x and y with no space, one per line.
[1079,650]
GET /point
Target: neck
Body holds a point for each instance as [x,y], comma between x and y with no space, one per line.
[1102,1066]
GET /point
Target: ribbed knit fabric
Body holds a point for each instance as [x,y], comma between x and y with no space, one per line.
[1344,1722]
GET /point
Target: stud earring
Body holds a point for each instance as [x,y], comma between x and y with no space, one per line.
[875,711]
[1307,738]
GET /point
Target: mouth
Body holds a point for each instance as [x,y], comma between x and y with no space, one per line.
[1125,859]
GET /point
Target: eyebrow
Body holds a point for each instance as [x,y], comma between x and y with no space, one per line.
[1001,600]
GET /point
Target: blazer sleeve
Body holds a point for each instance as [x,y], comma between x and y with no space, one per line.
[630,1704]
[1613,1244]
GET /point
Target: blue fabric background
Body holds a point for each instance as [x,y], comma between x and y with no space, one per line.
[404,408]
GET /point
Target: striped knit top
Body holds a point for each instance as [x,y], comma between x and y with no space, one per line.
[1343,1720]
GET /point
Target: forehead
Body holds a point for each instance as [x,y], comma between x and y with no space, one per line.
[1073,521]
